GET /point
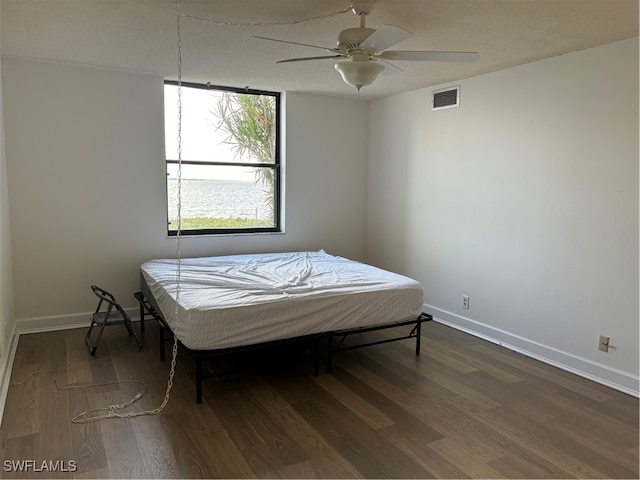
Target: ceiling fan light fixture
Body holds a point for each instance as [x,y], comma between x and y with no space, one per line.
[359,74]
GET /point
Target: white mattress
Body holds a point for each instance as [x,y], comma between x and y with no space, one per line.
[239,300]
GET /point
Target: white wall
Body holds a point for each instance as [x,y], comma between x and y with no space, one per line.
[5,241]
[526,199]
[7,319]
[85,158]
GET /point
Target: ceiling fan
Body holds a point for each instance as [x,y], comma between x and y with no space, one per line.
[364,53]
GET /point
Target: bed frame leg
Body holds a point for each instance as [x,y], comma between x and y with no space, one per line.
[329,353]
[316,358]
[161,341]
[141,317]
[198,380]
[418,335]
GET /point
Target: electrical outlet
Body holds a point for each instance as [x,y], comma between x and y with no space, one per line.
[603,344]
[465,302]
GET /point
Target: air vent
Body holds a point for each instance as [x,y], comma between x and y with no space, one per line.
[445,98]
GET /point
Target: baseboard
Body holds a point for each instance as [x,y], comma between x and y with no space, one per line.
[6,365]
[63,322]
[600,373]
[37,325]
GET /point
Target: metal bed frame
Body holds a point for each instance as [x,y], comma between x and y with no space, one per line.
[149,307]
[415,332]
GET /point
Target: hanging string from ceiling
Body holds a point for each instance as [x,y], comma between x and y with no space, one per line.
[114,411]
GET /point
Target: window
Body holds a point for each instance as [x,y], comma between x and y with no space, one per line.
[230,160]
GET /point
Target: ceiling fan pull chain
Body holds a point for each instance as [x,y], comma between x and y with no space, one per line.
[224,23]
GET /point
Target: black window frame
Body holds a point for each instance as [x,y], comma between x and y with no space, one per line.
[276,166]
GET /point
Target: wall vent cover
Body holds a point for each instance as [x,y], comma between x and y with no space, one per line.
[445,98]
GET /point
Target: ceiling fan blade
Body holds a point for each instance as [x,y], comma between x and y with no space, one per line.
[384,37]
[389,68]
[304,59]
[297,43]
[422,56]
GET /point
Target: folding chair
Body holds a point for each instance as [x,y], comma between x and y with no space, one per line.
[113,315]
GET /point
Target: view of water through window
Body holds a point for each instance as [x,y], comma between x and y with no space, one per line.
[229,168]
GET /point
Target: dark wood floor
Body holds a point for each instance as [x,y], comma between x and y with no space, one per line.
[464,409]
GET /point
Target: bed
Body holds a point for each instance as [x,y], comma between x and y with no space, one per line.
[227,303]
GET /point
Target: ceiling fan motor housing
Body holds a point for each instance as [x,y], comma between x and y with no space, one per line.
[351,38]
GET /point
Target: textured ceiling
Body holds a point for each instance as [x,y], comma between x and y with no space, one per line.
[140,35]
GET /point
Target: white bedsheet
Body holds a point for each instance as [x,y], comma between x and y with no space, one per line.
[239,300]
